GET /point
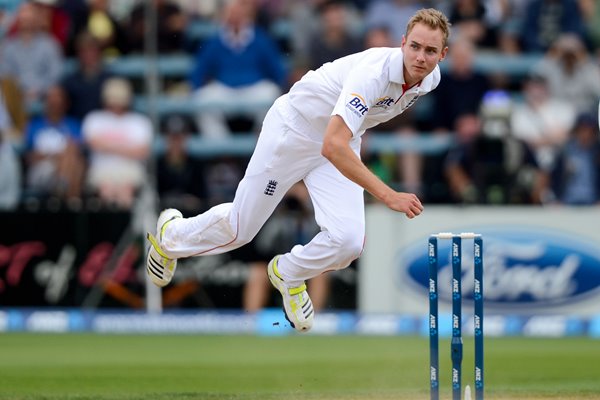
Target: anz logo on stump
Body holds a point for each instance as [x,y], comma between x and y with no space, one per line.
[525,270]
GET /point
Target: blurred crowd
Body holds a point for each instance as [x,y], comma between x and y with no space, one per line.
[70,131]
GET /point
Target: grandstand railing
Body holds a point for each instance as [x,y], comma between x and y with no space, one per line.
[375,143]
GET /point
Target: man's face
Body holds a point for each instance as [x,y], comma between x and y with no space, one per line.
[423,48]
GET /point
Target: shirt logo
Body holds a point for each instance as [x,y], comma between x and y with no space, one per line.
[270,189]
[357,105]
[410,103]
[384,102]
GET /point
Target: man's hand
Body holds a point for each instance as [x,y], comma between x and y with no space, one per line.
[407,203]
[337,150]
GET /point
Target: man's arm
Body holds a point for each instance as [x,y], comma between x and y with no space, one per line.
[336,148]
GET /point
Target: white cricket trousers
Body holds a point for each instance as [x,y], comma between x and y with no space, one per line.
[287,151]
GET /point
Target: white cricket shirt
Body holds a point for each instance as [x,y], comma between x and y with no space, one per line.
[365,89]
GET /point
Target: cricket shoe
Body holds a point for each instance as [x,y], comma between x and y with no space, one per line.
[297,307]
[159,266]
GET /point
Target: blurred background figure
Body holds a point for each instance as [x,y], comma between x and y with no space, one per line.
[571,74]
[53,152]
[119,142]
[240,66]
[477,172]
[462,87]
[31,55]
[10,165]
[542,120]
[171,25]
[392,14]
[472,20]
[334,39]
[576,174]
[13,104]
[180,176]
[84,84]
[590,9]
[54,20]
[546,20]
[8,13]
[101,24]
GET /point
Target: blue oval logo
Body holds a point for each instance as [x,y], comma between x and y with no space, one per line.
[525,270]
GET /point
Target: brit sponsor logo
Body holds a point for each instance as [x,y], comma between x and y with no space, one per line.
[357,105]
[525,270]
[384,102]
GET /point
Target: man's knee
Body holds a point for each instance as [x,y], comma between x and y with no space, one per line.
[350,247]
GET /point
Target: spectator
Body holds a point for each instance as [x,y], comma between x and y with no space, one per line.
[98,21]
[476,173]
[333,40]
[119,141]
[10,178]
[590,9]
[14,104]
[180,175]
[31,56]
[393,14]
[171,25]
[84,84]
[546,20]
[8,12]
[54,20]
[542,121]
[222,177]
[461,90]
[512,14]
[239,67]
[55,164]
[576,175]
[571,74]
[470,19]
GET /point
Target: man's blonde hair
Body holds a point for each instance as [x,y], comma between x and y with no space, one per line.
[433,18]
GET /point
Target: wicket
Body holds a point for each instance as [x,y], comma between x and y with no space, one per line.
[456,346]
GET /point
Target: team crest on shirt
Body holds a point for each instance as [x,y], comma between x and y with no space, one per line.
[357,105]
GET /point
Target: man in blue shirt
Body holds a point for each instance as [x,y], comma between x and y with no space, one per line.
[239,69]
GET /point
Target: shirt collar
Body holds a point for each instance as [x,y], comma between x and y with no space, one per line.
[396,67]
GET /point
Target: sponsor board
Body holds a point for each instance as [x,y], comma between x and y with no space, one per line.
[523,268]
[270,322]
[536,260]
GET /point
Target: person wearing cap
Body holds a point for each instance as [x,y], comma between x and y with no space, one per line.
[119,141]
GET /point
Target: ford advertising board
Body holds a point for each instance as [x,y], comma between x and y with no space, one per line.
[533,264]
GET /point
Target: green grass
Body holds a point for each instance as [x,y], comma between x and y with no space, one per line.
[186,367]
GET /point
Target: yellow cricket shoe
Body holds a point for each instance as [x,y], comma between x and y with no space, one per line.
[159,266]
[297,307]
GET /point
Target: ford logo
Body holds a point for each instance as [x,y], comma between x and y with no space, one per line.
[525,270]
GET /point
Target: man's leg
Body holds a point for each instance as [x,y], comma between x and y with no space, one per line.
[339,211]
[280,159]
